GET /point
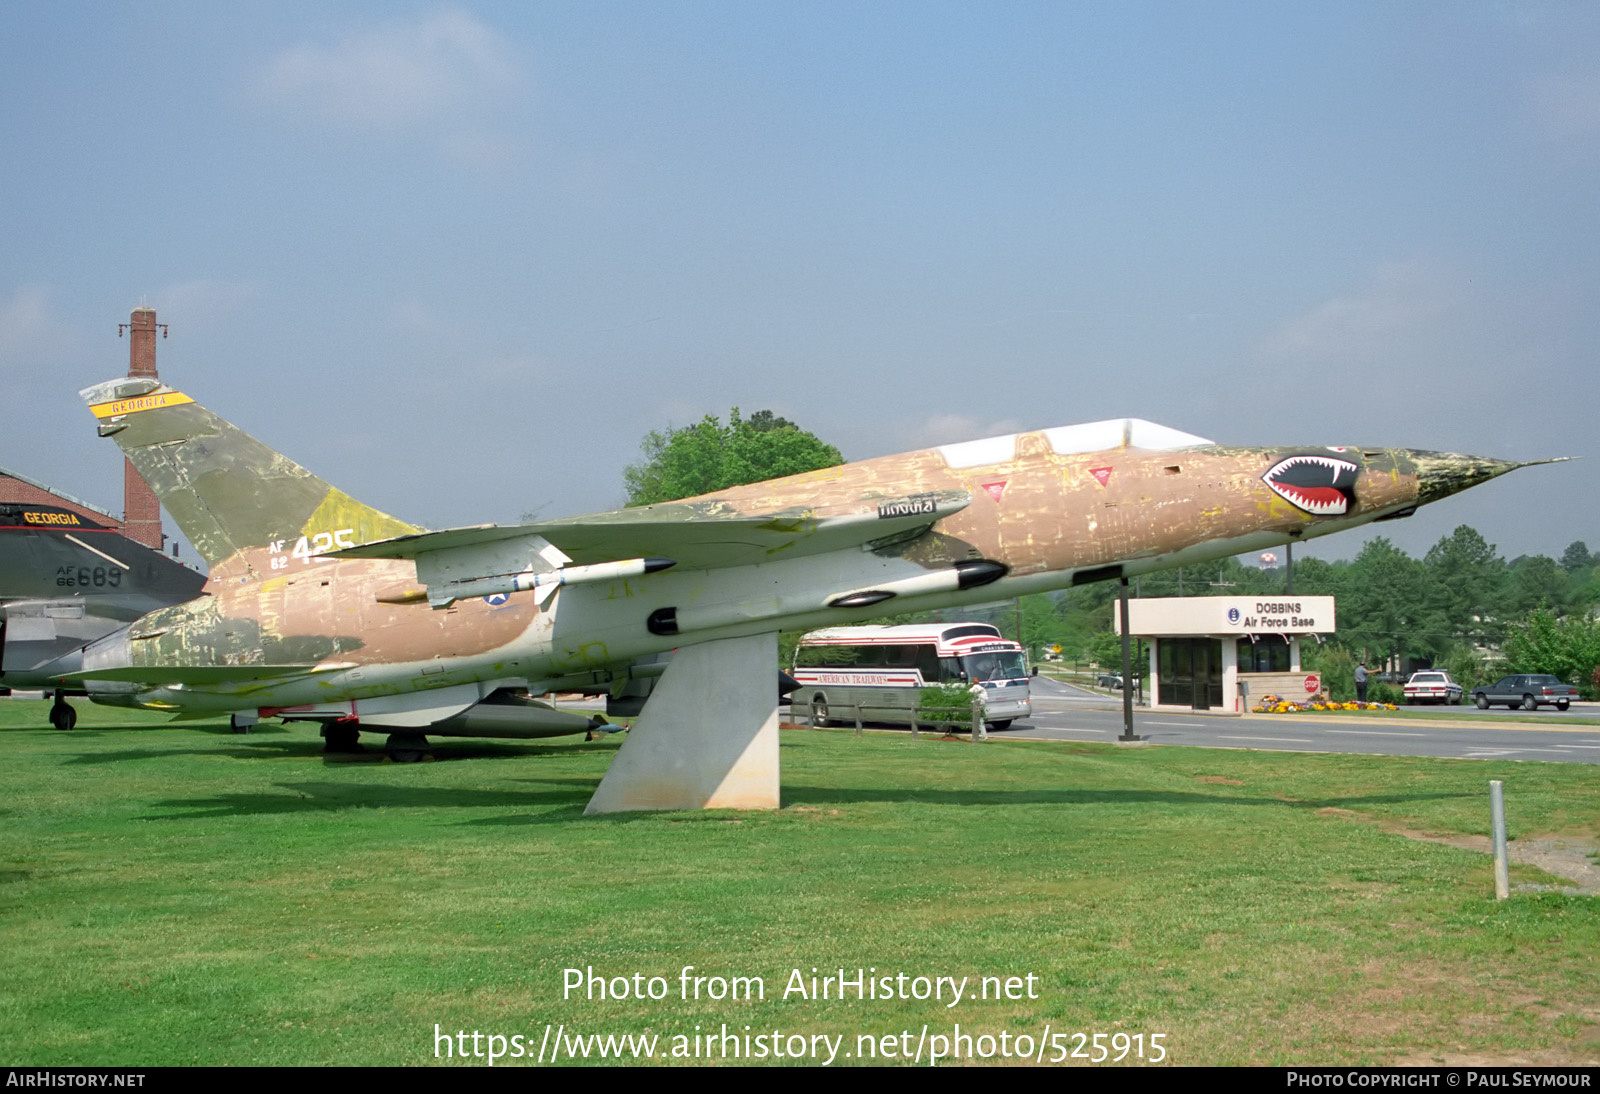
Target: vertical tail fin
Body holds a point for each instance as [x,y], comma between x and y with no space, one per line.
[227,490]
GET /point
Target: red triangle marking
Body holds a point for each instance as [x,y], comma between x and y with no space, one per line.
[995,488]
[1101,474]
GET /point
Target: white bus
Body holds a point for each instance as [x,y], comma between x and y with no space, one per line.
[877,673]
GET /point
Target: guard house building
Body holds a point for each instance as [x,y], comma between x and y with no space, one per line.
[1225,652]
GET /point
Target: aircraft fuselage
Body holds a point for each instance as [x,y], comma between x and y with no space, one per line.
[361,628]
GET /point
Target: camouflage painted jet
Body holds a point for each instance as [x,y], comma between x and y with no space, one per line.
[320,607]
[65,580]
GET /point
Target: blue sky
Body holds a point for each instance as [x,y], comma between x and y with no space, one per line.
[459,259]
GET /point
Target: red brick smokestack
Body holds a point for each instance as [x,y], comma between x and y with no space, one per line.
[141,512]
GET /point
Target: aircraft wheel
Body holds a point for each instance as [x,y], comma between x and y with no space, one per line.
[341,738]
[63,716]
[408,748]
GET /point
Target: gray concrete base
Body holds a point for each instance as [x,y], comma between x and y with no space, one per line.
[708,736]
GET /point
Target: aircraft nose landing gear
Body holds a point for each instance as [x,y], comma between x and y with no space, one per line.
[62,716]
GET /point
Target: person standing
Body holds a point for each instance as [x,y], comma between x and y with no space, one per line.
[1361,682]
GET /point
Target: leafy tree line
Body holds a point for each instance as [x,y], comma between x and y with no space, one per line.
[707,456]
[1461,607]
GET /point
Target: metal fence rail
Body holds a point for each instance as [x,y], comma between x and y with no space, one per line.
[979,728]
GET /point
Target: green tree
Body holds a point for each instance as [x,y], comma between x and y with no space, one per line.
[1105,649]
[710,456]
[1042,626]
[764,420]
[1567,648]
[947,702]
[1466,582]
[1468,668]
[1338,668]
[1538,581]
[1576,557]
[1383,609]
[1319,577]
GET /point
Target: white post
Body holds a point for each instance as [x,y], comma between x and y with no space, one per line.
[1497,817]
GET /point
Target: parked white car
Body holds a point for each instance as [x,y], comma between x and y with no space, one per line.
[1432,686]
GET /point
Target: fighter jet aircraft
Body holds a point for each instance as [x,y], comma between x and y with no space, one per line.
[67,579]
[320,607]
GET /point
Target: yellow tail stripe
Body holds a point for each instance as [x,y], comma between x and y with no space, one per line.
[119,407]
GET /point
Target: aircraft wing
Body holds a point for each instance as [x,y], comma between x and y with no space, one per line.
[698,536]
[695,535]
[692,535]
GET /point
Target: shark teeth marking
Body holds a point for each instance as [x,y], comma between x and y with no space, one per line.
[1320,485]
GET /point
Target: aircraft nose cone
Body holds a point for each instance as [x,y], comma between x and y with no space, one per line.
[1440,474]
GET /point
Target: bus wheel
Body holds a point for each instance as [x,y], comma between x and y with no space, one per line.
[819,712]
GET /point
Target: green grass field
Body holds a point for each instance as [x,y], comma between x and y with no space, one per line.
[176,894]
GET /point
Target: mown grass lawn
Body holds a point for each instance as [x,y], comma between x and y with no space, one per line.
[171,893]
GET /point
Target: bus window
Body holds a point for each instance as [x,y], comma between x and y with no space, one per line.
[900,657]
[995,666]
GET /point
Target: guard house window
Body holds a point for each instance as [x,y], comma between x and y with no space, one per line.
[1269,653]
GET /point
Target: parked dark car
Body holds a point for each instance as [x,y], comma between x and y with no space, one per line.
[1527,692]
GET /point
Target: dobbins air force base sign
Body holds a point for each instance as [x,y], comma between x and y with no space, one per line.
[1225,615]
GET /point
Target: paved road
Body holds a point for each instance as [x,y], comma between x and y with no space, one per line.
[1064,712]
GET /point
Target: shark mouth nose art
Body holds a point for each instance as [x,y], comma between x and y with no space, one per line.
[1322,485]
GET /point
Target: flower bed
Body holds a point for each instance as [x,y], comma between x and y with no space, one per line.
[1273,704]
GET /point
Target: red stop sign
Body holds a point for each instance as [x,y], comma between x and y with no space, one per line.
[1313,683]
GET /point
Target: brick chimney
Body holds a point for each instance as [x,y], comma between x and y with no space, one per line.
[141,512]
